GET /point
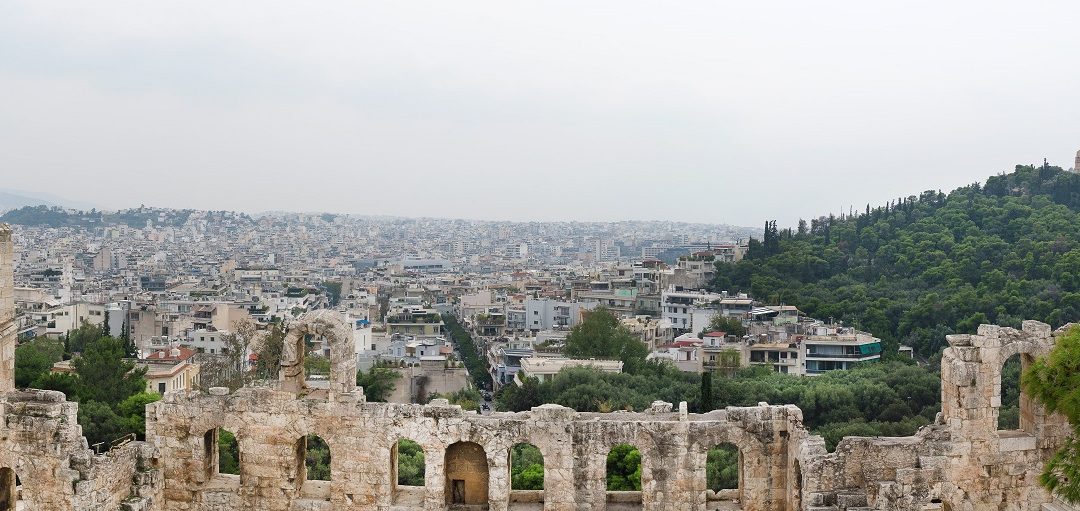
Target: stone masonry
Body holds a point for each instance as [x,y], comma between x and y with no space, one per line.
[961,462]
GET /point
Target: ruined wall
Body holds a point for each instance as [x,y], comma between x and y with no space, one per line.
[42,442]
[962,461]
[362,435]
[7,310]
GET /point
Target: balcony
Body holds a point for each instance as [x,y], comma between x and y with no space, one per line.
[846,356]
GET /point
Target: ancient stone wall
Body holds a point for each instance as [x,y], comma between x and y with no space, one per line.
[962,461]
[362,437]
[42,442]
[7,310]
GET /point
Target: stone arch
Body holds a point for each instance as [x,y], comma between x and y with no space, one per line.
[724,472]
[330,325]
[314,449]
[466,467]
[1025,351]
[755,461]
[213,440]
[312,485]
[526,455]
[9,490]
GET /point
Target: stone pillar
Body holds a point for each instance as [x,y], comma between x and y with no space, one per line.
[434,477]
[498,480]
[291,372]
[7,310]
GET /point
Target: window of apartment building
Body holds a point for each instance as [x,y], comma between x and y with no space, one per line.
[211,351]
[161,388]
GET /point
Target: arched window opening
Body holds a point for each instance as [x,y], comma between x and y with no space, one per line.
[228,461]
[10,490]
[623,474]
[407,463]
[526,467]
[466,474]
[313,467]
[221,455]
[407,471]
[723,472]
[317,459]
[1014,409]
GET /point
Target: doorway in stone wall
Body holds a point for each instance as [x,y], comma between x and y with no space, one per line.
[9,490]
[457,491]
[466,467]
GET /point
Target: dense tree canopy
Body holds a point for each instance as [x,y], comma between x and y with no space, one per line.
[600,335]
[890,398]
[110,389]
[105,375]
[35,359]
[624,468]
[378,383]
[919,268]
[526,468]
[410,457]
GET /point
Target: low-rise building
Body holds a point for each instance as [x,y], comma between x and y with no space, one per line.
[169,370]
[545,368]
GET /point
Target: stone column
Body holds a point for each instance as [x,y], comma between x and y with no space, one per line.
[498,479]
[551,432]
[434,477]
[7,310]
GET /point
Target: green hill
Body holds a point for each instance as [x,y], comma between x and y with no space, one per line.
[53,216]
[920,267]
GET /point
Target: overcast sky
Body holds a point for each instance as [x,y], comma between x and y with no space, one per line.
[726,112]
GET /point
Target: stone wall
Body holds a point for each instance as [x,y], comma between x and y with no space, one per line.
[362,435]
[7,310]
[42,442]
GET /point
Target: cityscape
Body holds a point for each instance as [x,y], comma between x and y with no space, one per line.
[559,256]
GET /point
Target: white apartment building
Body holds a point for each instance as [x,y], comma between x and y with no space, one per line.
[548,314]
[690,311]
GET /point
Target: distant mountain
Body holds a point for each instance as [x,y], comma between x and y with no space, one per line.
[53,216]
[11,200]
[15,199]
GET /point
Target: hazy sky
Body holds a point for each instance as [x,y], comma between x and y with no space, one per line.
[732,112]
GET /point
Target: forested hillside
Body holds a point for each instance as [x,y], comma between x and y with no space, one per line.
[920,267]
[52,216]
